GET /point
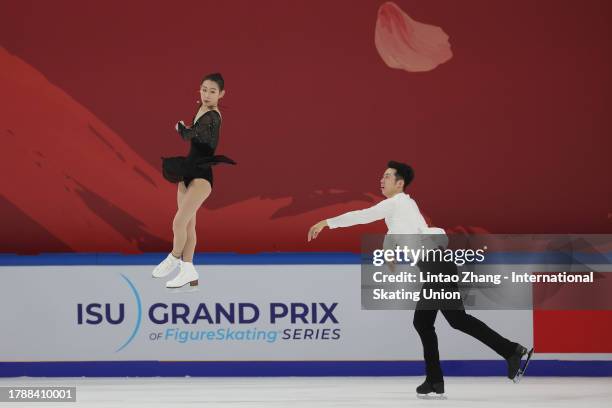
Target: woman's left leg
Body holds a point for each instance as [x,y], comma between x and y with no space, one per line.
[197,192]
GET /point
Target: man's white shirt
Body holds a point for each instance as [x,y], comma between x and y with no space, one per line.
[400,212]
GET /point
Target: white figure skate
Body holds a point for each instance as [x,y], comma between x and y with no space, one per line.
[166,266]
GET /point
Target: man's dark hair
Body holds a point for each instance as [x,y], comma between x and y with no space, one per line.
[217,78]
[402,172]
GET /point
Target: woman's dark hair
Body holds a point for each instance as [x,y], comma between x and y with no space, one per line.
[217,78]
[402,172]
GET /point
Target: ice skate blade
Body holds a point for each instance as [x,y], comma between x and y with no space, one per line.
[521,371]
[193,283]
[162,276]
[184,289]
[432,396]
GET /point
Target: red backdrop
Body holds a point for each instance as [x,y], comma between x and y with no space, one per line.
[511,135]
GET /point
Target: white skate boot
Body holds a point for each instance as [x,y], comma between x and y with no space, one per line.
[187,275]
[166,266]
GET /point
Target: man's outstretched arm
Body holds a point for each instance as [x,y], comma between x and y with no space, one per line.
[365,216]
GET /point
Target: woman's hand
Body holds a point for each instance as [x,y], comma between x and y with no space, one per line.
[315,229]
[178,125]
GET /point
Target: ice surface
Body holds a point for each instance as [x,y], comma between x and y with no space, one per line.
[296,392]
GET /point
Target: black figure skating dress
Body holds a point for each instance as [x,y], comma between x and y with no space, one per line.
[204,137]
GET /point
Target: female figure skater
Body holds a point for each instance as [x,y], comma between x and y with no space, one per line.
[195,180]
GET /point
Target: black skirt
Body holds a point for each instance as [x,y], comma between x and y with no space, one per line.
[180,168]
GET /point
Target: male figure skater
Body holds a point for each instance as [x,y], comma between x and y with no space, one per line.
[402,216]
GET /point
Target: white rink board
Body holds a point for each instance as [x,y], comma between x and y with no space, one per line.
[39,308]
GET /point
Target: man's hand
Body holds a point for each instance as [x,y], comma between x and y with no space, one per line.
[315,229]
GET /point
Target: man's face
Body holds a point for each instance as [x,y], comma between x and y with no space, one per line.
[388,185]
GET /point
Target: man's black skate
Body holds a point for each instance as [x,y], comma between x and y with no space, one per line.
[514,363]
[521,371]
[429,390]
